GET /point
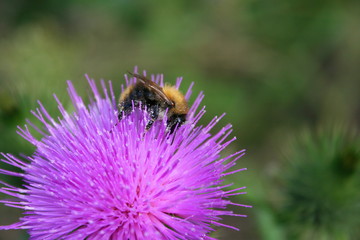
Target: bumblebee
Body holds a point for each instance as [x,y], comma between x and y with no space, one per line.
[157,101]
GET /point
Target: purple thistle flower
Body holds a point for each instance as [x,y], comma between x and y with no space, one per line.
[92,177]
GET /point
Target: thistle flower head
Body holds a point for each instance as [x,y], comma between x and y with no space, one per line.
[94,177]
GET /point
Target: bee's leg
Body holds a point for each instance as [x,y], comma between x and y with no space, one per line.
[125,109]
[149,124]
[121,112]
[120,116]
[154,114]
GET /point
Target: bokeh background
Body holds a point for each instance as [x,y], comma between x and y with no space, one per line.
[285,72]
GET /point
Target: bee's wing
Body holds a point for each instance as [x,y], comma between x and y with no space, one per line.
[153,86]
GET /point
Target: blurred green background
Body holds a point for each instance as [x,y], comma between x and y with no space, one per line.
[279,69]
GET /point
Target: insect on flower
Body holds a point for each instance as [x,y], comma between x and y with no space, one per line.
[157,100]
[87,182]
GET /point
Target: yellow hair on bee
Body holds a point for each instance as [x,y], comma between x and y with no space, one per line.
[178,98]
[126,92]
